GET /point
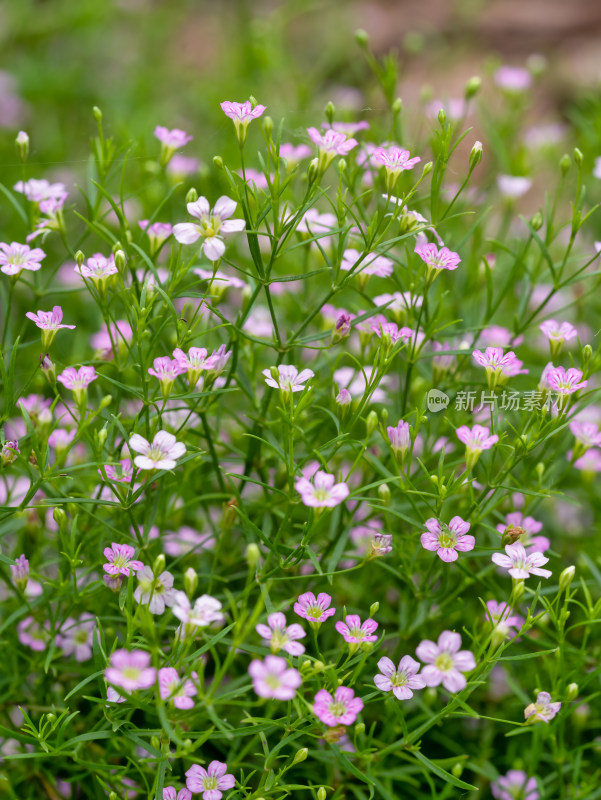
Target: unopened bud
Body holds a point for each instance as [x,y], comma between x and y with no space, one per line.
[300,755]
[155,742]
[578,157]
[511,534]
[313,170]
[360,728]
[79,258]
[374,608]
[457,769]
[120,260]
[371,423]
[102,436]
[475,154]
[540,469]
[343,398]
[106,401]
[252,555]
[190,581]
[97,114]
[341,165]
[587,352]
[192,195]
[268,126]
[321,793]
[572,692]
[159,564]
[566,577]
[384,493]
[59,516]
[564,163]
[330,111]
[427,168]
[218,161]
[362,39]
[253,101]
[472,87]
[517,593]
[536,221]
[22,145]
[397,106]
[442,116]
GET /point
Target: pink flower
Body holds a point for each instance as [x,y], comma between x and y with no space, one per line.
[515,784]
[77,380]
[504,621]
[400,681]
[120,560]
[212,226]
[513,79]
[370,263]
[521,564]
[180,166]
[170,793]
[155,591]
[20,572]
[289,379]
[166,371]
[293,154]
[587,433]
[37,190]
[558,331]
[31,634]
[161,454]
[75,637]
[348,128]
[317,225]
[174,138]
[342,709]
[280,636]
[122,474]
[565,382]
[172,688]
[330,144]
[217,361]
[273,678]
[590,461]
[205,611]
[212,782]
[356,633]
[437,259]
[395,160]
[392,331]
[49,322]
[314,609]
[157,232]
[121,334]
[530,526]
[187,540]
[242,115]
[543,710]
[193,363]
[323,492]
[130,670]
[15,257]
[98,268]
[446,540]
[476,440]
[445,662]
[498,366]
[513,186]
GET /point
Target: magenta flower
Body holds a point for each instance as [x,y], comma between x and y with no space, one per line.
[399,681]
[170,793]
[212,226]
[515,784]
[521,564]
[558,331]
[446,540]
[498,366]
[371,263]
[342,709]
[98,268]
[280,636]
[528,528]
[75,638]
[15,257]
[120,560]
[445,662]
[156,592]
[356,633]
[395,160]
[130,670]
[565,382]
[166,371]
[331,143]
[77,380]
[273,678]
[543,710]
[314,609]
[161,454]
[476,440]
[504,621]
[179,692]
[242,115]
[437,259]
[211,782]
[289,378]
[322,492]
[174,138]
[49,322]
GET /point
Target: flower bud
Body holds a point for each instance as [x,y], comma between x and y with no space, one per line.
[120,260]
[371,423]
[475,154]
[442,116]
[330,111]
[587,352]
[564,163]
[397,106]
[252,555]
[79,258]
[313,170]
[472,87]
[102,436]
[566,577]
[155,742]
[360,729]
[578,157]
[457,769]
[362,39]
[59,516]
[516,594]
[572,692]
[10,452]
[190,581]
[384,493]
[22,144]
[268,126]
[106,401]
[97,114]
[192,195]
[341,165]
[536,221]
[427,168]
[20,573]
[300,755]
[374,608]
[159,564]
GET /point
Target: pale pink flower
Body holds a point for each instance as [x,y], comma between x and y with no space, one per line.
[294,153]
[49,322]
[39,189]
[102,342]
[323,492]
[454,107]
[205,611]
[521,564]
[281,636]
[477,438]
[587,433]
[565,382]
[289,379]
[170,793]
[367,263]
[400,681]
[446,540]
[497,364]
[9,452]
[77,380]
[193,363]
[558,331]
[445,662]
[161,454]
[274,678]
[314,609]
[217,361]
[157,232]
[391,330]
[498,336]
[355,632]
[400,438]
[172,139]
[543,710]
[166,371]
[180,166]
[394,159]
[590,461]
[513,79]
[341,709]
[530,526]
[331,143]
[98,268]
[515,785]
[154,591]
[130,670]
[212,226]
[210,782]
[33,635]
[343,398]
[348,128]
[242,114]
[120,560]
[399,303]
[504,621]
[75,637]
[20,572]
[222,280]
[121,474]
[187,540]
[318,225]
[437,259]
[513,186]
[179,692]
[15,257]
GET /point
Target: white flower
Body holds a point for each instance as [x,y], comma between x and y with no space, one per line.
[161,454]
[205,611]
[157,592]
[212,226]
